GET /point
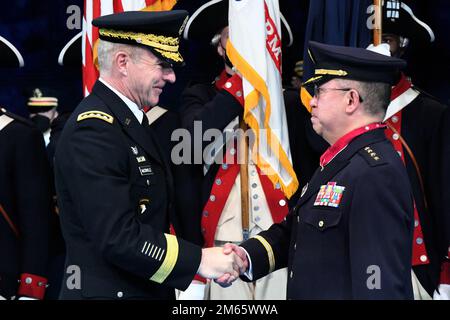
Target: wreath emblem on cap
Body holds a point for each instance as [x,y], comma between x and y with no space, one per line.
[37,93]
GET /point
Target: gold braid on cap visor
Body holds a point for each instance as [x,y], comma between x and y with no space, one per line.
[166,46]
[43,101]
[331,72]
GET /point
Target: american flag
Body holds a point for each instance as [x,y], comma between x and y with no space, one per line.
[97,8]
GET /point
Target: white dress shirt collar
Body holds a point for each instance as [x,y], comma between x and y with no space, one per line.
[138,113]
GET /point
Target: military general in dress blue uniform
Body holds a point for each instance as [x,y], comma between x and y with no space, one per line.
[113,179]
[349,236]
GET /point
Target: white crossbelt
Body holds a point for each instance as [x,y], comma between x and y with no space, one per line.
[213,150]
[154,113]
[4,121]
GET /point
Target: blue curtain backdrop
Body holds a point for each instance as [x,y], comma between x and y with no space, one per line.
[38,29]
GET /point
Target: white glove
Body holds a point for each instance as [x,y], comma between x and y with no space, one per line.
[195,291]
[444,292]
[2,297]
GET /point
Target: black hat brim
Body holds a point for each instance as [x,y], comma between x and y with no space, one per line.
[11,57]
[210,18]
[70,54]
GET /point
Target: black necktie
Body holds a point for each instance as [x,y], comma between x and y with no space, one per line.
[145,121]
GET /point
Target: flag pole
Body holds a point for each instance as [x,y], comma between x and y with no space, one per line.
[377,30]
[243,170]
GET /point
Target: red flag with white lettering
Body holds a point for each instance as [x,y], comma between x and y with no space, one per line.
[254,48]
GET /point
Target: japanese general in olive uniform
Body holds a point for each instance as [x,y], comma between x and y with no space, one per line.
[349,236]
[115,188]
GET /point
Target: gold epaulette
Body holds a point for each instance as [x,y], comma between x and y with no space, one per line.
[95,114]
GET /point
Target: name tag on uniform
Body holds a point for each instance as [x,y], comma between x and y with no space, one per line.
[140,159]
[146,170]
[329,195]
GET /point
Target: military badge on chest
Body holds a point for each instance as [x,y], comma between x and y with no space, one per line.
[145,169]
[329,195]
[143,204]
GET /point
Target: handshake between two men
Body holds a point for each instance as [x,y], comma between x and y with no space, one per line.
[223,264]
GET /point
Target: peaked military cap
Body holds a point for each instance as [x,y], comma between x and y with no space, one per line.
[332,62]
[399,19]
[211,17]
[160,31]
[41,100]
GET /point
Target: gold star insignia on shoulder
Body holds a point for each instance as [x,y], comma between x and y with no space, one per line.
[95,114]
[372,153]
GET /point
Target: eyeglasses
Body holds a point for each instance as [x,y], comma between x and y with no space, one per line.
[165,66]
[318,90]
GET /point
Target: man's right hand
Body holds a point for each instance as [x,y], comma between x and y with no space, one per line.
[230,248]
[215,264]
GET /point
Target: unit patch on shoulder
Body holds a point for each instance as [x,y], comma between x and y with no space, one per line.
[95,114]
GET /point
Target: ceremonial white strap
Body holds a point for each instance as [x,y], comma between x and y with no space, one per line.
[444,292]
[4,121]
[400,102]
[419,292]
[46,135]
[213,149]
[154,113]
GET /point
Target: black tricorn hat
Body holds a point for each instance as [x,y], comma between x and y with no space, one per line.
[359,64]
[399,19]
[212,17]
[70,54]
[10,56]
[159,31]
